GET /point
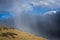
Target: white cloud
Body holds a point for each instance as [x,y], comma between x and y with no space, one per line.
[46,3]
[16,6]
[20,6]
[49,12]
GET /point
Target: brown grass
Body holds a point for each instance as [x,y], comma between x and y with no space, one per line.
[13,34]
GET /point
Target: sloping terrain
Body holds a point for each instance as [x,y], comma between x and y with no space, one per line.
[13,34]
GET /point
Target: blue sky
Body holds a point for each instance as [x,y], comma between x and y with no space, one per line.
[4,15]
[41,10]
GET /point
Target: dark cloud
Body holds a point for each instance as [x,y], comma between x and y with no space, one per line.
[5,4]
[42,25]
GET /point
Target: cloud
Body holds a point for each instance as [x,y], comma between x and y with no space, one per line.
[49,12]
[41,25]
[16,6]
[5,4]
[20,7]
[46,3]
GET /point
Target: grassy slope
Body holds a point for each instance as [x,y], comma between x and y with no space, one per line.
[20,35]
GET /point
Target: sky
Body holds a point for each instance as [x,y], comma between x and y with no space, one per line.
[30,6]
[26,18]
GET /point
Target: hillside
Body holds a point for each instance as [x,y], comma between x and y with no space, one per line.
[13,34]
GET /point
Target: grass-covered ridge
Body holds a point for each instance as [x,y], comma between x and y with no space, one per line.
[7,33]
